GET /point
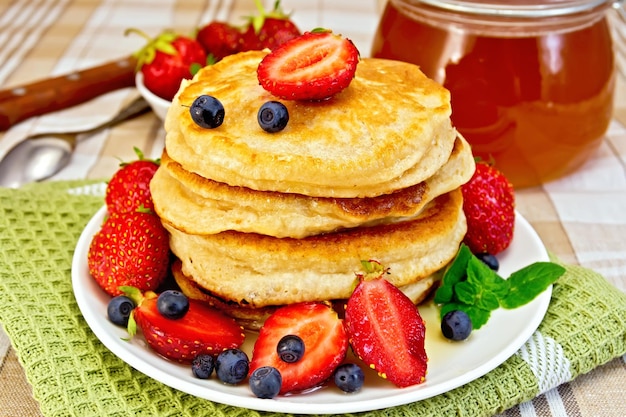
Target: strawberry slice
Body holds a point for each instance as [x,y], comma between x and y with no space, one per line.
[313,66]
[202,329]
[325,341]
[386,331]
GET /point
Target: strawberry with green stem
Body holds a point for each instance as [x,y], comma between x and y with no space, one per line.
[130,249]
[129,187]
[166,60]
[268,29]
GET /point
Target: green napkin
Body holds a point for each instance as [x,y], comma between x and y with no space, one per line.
[73,374]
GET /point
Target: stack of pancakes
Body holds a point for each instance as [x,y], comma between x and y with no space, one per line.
[258,220]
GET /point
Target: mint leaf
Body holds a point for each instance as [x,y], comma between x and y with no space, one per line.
[481,275]
[476,295]
[454,274]
[444,294]
[466,292]
[470,285]
[529,282]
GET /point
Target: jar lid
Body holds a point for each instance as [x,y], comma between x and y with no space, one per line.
[521,8]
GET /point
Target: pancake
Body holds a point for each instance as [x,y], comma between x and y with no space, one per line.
[248,317]
[253,318]
[259,270]
[389,130]
[204,206]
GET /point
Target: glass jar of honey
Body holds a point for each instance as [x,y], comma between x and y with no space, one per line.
[531,82]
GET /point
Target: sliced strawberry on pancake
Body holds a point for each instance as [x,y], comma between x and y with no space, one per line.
[313,66]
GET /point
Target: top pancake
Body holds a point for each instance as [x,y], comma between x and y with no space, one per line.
[388,130]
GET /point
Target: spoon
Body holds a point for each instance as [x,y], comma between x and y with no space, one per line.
[40,156]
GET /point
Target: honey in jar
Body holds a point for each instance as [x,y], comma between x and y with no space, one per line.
[531,82]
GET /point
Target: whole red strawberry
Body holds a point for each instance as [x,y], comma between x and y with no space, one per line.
[268,29]
[386,330]
[325,344]
[219,39]
[489,206]
[313,66]
[168,59]
[201,330]
[129,188]
[131,249]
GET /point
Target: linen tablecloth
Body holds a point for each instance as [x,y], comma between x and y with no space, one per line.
[580,218]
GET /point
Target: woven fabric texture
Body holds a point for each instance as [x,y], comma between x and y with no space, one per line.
[73,374]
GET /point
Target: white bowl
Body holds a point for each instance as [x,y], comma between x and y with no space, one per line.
[159,105]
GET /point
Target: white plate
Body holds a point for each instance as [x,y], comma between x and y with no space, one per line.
[451,364]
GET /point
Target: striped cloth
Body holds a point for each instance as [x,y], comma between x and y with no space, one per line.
[581,218]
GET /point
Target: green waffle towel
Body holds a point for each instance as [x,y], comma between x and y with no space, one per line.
[73,374]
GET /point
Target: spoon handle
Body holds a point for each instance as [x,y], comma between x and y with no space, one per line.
[20,103]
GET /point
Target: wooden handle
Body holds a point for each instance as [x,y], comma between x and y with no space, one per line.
[20,103]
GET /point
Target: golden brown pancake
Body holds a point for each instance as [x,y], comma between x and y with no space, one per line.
[389,130]
[248,317]
[204,206]
[253,318]
[259,270]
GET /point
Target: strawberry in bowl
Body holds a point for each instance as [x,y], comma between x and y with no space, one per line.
[162,63]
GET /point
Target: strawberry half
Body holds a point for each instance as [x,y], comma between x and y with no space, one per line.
[313,66]
[324,339]
[387,332]
[131,249]
[129,188]
[202,329]
[489,206]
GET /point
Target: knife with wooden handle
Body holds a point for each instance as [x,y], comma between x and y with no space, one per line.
[40,97]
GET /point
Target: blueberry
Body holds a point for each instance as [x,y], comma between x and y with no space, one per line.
[290,348]
[265,382]
[202,366]
[207,112]
[119,309]
[172,304]
[456,325]
[349,377]
[232,366]
[490,260]
[273,116]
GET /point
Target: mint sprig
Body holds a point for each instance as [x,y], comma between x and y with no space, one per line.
[470,285]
